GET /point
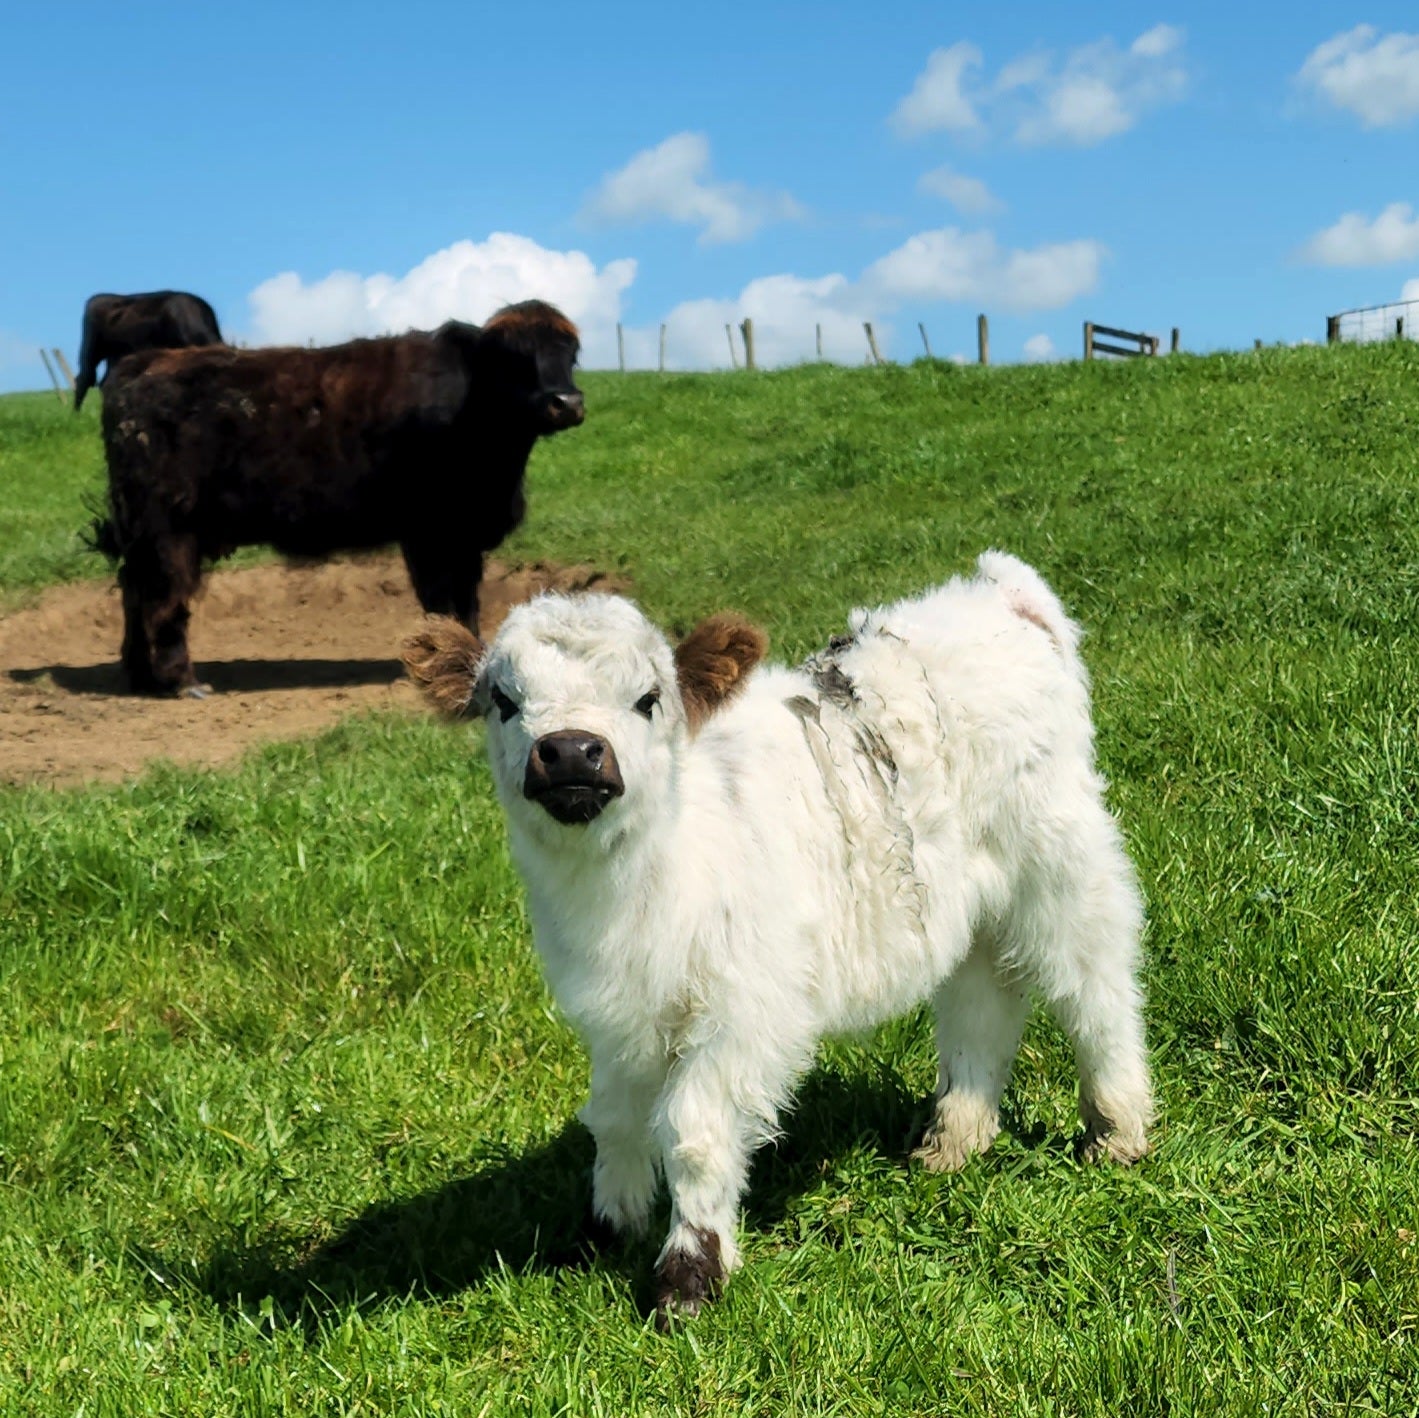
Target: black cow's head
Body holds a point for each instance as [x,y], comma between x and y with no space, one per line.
[524,359]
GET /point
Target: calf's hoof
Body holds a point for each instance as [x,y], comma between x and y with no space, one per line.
[961,1128]
[1117,1134]
[1111,1145]
[195,691]
[688,1278]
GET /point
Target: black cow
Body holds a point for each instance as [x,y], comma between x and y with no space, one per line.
[420,439]
[118,325]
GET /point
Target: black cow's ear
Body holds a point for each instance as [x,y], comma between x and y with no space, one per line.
[713,661]
[442,657]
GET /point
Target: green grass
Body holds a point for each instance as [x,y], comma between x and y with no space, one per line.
[51,460]
[286,1114]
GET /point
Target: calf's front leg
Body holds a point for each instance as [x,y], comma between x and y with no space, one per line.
[705,1140]
[618,1115]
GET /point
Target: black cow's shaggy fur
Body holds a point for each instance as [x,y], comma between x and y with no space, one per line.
[420,439]
[118,325]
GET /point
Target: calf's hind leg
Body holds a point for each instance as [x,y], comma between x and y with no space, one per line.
[1083,957]
[979,1019]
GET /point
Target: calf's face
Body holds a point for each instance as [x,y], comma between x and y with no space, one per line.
[587,704]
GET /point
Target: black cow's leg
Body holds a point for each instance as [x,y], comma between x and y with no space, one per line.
[466,580]
[445,578]
[137,653]
[159,581]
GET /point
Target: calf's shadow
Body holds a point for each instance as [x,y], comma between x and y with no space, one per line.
[529,1210]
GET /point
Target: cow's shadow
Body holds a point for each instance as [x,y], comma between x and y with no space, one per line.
[529,1210]
[224,676]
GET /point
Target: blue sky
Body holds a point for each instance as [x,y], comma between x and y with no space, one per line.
[319,171]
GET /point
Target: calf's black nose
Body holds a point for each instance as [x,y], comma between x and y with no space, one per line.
[573,774]
[570,756]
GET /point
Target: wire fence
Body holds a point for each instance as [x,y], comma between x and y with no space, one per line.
[1399,320]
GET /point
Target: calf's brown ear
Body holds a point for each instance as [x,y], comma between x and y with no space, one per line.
[442,658]
[713,661]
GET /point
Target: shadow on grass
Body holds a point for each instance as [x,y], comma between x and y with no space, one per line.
[529,1211]
[225,676]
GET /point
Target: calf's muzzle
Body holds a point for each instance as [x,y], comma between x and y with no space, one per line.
[573,774]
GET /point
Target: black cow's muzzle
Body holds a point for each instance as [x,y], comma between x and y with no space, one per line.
[561,411]
[573,774]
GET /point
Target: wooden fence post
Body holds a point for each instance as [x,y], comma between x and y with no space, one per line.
[872,343]
[818,329]
[1177,340]
[1398,329]
[1088,339]
[1332,329]
[746,328]
[53,377]
[64,365]
[620,348]
[925,343]
[1257,345]
[733,353]
[662,349]
[983,339]
[1152,344]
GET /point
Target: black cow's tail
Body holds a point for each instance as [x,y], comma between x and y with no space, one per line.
[102,535]
[88,366]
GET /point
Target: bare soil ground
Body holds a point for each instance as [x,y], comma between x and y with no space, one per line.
[288,650]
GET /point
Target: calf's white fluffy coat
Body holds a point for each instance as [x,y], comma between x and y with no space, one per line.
[773,855]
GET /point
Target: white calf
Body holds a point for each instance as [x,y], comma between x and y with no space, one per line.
[724,863]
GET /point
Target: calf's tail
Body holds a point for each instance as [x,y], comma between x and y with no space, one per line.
[1030,597]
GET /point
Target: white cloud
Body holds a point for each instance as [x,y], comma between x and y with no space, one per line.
[1100,91]
[1093,92]
[1356,241]
[932,266]
[465,281]
[1376,78]
[1410,290]
[1155,43]
[938,100]
[1039,349]
[949,264]
[967,194]
[671,181]
[469,280]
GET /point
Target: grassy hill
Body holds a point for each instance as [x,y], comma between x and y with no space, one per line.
[285,1112]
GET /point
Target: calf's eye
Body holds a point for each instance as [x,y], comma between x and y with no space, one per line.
[505,707]
[647,702]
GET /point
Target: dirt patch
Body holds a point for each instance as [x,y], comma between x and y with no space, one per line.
[288,650]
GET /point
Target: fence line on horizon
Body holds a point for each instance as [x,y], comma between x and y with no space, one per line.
[1364,325]
[743,353]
